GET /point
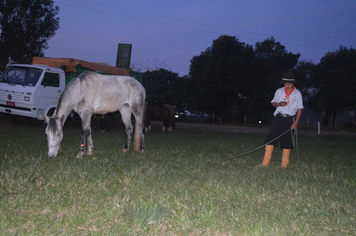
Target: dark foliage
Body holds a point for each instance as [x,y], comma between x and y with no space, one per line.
[234,81]
[165,87]
[334,79]
[26,26]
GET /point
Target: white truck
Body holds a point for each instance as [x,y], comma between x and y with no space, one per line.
[34,90]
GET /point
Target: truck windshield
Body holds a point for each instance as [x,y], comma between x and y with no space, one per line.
[26,76]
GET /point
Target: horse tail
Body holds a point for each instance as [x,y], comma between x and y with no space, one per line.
[137,136]
[140,119]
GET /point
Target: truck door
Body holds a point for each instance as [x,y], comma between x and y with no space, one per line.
[49,91]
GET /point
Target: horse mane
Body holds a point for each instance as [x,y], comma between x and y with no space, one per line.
[71,85]
[86,74]
[52,126]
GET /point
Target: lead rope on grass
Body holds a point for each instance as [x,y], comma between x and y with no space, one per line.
[293,139]
[296,143]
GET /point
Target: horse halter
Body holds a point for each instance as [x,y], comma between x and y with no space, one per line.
[58,144]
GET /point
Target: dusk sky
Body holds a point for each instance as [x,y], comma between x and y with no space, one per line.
[167,34]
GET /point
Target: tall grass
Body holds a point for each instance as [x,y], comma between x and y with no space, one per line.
[171,189]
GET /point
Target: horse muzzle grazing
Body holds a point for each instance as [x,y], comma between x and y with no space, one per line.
[54,135]
[53,150]
[54,146]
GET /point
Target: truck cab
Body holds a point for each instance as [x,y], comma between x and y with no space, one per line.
[31,90]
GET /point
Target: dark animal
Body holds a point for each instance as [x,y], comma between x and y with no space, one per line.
[172,118]
[157,112]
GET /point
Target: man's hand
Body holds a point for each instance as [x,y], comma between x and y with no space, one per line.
[282,104]
[294,125]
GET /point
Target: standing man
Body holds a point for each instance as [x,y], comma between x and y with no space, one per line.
[289,105]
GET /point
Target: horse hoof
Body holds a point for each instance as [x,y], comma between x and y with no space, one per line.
[125,150]
[90,152]
[80,155]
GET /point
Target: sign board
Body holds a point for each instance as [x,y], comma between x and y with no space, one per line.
[123,59]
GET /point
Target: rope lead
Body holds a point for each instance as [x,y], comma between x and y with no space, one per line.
[294,144]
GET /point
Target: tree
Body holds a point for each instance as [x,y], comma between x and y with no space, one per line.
[236,81]
[334,79]
[163,86]
[303,73]
[25,26]
[217,77]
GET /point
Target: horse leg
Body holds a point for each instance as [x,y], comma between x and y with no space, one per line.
[147,118]
[126,119]
[147,123]
[170,129]
[166,121]
[139,142]
[173,122]
[142,137]
[85,136]
[89,138]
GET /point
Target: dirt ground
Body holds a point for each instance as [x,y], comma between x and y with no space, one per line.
[310,131]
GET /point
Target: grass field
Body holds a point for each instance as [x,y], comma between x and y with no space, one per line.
[171,189]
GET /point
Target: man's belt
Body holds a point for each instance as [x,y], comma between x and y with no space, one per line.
[283,115]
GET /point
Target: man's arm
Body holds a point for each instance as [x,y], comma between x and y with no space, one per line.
[299,114]
[278,104]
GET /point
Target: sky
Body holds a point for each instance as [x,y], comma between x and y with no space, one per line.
[169,33]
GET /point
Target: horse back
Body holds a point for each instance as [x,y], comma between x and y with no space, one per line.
[108,93]
[157,112]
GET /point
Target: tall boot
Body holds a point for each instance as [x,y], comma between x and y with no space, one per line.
[268,155]
[285,157]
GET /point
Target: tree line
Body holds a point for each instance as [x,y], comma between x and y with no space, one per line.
[235,82]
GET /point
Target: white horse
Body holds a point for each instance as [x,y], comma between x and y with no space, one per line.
[92,93]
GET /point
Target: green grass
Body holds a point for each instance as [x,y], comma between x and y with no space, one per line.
[171,189]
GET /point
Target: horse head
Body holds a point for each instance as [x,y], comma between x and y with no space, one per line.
[54,132]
